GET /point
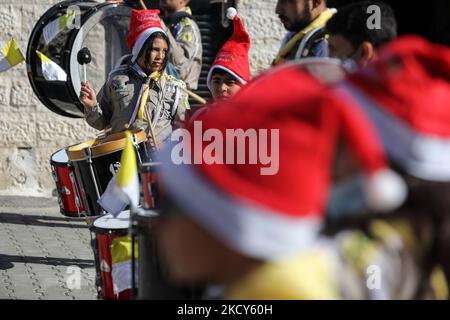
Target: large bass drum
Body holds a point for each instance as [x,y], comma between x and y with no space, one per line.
[60,34]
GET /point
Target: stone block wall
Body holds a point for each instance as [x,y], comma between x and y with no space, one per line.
[30,133]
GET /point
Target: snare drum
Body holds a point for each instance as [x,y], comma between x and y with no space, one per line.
[154,281]
[96,164]
[69,197]
[150,185]
[107,229]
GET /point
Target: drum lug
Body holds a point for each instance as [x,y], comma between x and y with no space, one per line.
[65,191]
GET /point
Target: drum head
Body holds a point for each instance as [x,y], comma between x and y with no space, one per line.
[100,27]
[60,157]
[110,223]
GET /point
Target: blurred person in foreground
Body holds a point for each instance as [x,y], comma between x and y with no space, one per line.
[405,92]
[352,39]
[255,228]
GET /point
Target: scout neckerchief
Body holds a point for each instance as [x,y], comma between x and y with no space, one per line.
[320,21]
[143,93]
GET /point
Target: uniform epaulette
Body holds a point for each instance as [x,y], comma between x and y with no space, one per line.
[185,22]
[120,70]
[179,82]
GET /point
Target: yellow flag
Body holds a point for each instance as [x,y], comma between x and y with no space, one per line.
[50,69]
[10,55]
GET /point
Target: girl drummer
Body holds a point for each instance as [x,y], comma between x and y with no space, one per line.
[139,94]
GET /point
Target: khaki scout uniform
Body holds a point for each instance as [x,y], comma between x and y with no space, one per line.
[167,103]
[186,51]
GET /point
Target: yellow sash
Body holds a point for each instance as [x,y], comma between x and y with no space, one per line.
[155,76]
[320,21]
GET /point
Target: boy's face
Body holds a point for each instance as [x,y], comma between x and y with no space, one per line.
[224,86]
[169,7]
[340,47]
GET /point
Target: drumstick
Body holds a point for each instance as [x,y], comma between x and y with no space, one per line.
[103,132]
[143,4]
[195,96]
[150,123]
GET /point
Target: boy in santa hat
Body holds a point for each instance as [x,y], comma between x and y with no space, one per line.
[230,70]
[139,88]
[257,231]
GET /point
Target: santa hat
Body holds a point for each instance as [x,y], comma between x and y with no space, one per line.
[262,215]
[406,92]
[143,23]
[233,56]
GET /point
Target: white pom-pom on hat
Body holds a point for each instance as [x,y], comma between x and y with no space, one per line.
[385,191]
[231,13]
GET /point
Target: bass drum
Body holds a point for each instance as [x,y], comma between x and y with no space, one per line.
[60,34]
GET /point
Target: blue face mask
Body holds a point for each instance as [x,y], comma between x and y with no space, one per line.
[350,64]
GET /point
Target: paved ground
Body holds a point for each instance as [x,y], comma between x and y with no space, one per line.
[42,252]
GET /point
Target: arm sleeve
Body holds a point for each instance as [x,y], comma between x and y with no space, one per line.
[185,47]
[99,116]
[183,106]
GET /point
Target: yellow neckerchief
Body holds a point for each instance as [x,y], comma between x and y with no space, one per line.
[188,10]
[320,21]
[144,97]
[309,276]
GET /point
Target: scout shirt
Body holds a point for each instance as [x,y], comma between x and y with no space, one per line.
[120,96]
[185,48]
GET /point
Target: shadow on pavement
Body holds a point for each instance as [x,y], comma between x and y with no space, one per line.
[45,221]
[7,261]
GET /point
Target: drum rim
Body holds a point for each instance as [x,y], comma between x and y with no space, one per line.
[30,55]
[77,155]
[148,166]
[108,146]
[57,163]
[93,228]
[98,230]
[32,60]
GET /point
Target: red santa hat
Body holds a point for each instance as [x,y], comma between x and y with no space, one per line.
[406,92]
[273,208]
[233,56]
[143,23]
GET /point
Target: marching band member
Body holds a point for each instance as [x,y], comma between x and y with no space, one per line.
[406,93]
[258,234]
[305,20]
[185,41]
[230,70]
[351,40]
[139,93]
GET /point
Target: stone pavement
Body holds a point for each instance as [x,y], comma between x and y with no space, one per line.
[43,255]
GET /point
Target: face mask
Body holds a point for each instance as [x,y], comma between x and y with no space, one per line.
[350,65]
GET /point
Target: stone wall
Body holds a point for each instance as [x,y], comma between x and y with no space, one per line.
[30,133]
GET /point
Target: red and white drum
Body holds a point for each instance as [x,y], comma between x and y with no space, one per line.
[66,184]
[153,195]
[115,283]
